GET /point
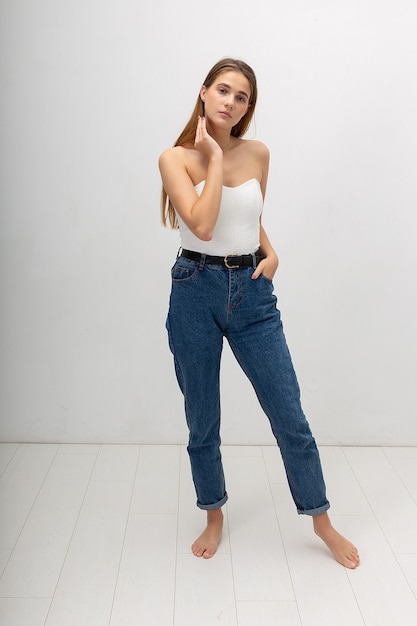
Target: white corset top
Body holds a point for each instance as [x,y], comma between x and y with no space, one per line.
[237,226]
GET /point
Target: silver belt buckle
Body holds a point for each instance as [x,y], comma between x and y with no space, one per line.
[226,262]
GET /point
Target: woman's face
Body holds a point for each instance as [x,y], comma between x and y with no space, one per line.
[227,99]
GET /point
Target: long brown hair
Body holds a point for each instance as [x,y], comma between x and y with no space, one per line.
[188,134]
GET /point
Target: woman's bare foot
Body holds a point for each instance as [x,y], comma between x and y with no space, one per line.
[343,550]
[206,544]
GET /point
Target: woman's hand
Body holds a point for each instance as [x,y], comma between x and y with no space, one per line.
[204,142]
[268,266]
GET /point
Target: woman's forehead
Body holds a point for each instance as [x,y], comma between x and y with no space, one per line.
[233,78]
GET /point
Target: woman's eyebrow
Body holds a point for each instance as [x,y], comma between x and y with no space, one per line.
[228,87]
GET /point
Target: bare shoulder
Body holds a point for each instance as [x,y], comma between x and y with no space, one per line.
[172,156]
[257,147]
[184,163]
[257,158]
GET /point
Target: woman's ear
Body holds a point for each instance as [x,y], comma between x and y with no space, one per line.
[203,92]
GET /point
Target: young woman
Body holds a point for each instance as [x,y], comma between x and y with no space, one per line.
[214,183]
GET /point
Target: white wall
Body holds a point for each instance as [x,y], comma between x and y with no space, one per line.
[92,92]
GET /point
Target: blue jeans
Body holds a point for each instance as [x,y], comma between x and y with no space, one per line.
[207,303]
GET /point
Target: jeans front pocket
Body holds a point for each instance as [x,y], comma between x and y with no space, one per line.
[269,281]
[183,269]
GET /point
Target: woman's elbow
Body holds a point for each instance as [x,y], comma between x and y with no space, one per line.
[204,234]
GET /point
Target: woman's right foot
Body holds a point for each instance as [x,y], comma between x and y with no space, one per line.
[206,545]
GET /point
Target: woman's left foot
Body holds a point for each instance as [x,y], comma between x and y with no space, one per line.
[343,550]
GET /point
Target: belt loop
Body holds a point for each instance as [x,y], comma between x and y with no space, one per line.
[179,252]
[202,261]
[254,260]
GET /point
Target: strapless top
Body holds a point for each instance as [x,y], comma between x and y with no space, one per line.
[237,226]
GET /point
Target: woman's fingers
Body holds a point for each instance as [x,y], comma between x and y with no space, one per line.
[265,269]
[204,142]
[201,129]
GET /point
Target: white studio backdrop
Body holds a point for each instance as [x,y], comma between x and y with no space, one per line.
[92,92]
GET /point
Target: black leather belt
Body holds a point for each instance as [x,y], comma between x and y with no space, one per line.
[231,261]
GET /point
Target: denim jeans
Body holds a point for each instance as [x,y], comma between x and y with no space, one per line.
[208,303]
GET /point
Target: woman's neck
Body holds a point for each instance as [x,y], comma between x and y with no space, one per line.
[223,139]
[226,143]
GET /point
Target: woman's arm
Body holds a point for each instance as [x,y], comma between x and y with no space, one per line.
[269,265]
[200,213]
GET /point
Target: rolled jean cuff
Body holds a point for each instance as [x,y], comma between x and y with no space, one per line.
[213,507]
[313,512]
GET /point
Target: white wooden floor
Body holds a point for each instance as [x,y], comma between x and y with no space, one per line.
[99,536]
